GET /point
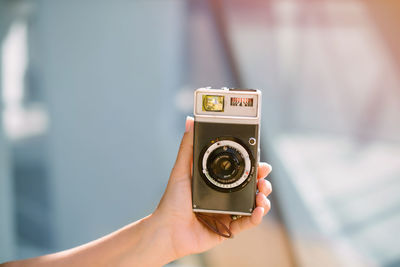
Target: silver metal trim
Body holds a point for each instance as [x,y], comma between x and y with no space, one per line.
[224,212]
[228,120]
[252,141]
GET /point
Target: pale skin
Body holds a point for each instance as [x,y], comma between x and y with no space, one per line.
[170,232]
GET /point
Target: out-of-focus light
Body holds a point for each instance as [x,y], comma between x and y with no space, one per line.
[14,55]
[17,121]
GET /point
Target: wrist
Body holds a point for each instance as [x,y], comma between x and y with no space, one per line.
[154,247]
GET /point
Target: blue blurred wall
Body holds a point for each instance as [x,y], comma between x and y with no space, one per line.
[108,72]
[7,229]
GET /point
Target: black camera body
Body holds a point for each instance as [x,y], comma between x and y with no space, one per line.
[225,150]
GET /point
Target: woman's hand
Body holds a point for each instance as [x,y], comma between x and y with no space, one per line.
[171,232]
[186,233]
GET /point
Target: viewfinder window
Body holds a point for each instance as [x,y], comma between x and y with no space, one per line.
[213,103]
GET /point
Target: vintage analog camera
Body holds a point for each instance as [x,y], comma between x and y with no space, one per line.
[225,150]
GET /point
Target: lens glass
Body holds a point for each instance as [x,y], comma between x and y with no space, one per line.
[225,165]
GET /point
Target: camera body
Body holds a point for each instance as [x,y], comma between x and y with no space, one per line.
[226,150]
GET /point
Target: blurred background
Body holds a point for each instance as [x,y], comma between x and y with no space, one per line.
[94,95]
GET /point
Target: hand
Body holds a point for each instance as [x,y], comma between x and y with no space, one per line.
[171,232]
[186,233]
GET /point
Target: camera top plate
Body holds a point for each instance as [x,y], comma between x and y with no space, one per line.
[241,106]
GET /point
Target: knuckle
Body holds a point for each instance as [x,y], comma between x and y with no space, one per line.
[267,207]
[268,185]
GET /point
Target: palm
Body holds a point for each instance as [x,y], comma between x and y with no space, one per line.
[187,231]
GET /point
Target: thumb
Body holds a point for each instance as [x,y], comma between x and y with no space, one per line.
[184,159]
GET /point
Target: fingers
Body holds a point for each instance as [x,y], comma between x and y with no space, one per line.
[256,216]
[183,161]
[263,201]
[247,222]
[264,187]
[263,170]
[263,206]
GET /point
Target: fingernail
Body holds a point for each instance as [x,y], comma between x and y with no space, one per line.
[270,167]
[189,124]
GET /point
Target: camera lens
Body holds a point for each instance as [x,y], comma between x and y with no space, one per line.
[225,165]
